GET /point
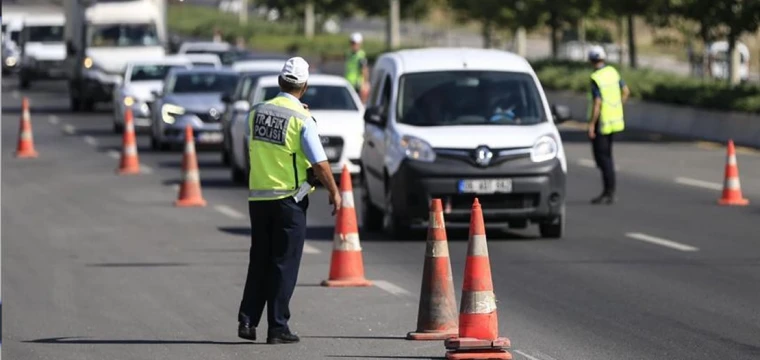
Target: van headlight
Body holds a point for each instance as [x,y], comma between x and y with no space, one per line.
[169,111]
[129,101]
[11,61]
[417,149]
[545,149]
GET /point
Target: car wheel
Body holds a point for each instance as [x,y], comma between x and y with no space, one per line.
[154,145]
[24,82]
[226,157]
[88,105]
[238,175]
[119,128]
[393,224]
[555,228]
[372,217]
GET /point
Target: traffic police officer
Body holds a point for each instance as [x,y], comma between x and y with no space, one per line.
[285,151]
[357,68]
[608,94]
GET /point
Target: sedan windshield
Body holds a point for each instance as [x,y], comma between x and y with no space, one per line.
[204,82]
[469,98]
[151,72]
[45,33]
[122,35]
[321,97]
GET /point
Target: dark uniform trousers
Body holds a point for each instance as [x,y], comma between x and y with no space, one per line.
[601,146]
[278,230]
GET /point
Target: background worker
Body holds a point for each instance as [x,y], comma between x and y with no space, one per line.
[357,67]
[285,148]
[608,94]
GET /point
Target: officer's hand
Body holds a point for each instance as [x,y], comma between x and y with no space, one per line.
[591,133]
[336,202]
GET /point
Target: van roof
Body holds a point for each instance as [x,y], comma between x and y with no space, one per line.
[463,58]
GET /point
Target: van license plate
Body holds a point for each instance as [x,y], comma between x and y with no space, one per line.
[485,186]
[210,137]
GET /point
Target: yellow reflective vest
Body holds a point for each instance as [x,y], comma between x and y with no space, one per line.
[354,73]
[278,162]
[611,115]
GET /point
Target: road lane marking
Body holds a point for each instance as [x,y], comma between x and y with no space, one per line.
[226,210]
[709,145]
[145,169]
[391,288]
[662,242]
[308,249]
[534,357]
[114,154]
[90,140]
[698,183]
[53,120]
[14,94]
[69,129]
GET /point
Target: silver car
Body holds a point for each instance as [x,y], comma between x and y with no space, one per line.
[141,79]
[194,97]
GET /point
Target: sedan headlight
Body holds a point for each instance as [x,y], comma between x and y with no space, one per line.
[417,149]
[129,101]
[169,111]
[545,149]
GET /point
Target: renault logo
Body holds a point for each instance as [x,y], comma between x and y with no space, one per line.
[214,113]
[483,156]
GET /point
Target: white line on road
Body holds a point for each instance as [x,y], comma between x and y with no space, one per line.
[69,129]
[145,169]
[698,183]
[226,210]
[661,242]
[392,288]
[586,163]
[532,357]
[114,154]
[90,140]
[53,120]
[14,94]
[308,249]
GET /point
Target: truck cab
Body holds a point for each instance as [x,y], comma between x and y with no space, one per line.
[102,38]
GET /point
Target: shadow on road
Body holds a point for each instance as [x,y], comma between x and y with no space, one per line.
[77,340]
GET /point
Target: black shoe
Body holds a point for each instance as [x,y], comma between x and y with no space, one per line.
[606,199]
[283,338]
[246,331]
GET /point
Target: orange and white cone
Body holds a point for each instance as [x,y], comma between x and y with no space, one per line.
[25,147]
[732,190]
[437,314]
[346,264]
[478,319]
[190,189]
[129,163]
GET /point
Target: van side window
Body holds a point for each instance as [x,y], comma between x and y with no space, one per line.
[375,91]
[385,96]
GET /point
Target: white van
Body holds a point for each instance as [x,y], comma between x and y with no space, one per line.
[456,124]
[42,49]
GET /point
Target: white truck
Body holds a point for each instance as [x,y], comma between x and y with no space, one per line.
[102,36]
[42,49]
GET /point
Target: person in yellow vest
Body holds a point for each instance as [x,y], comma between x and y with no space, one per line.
[608,94]
[286,156]
[357,68]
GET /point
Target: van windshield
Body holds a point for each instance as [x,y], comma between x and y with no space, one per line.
[469,98]
[46,33]
[113,35]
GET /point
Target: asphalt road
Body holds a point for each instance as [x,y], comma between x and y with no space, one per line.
[98,266]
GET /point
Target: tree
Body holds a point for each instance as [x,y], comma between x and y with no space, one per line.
[564,12]
[498,14]
[629,9]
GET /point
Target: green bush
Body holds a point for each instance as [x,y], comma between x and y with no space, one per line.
[655,86]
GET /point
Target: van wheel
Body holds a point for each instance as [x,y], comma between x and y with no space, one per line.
[555,228]
[238,175]
[372,217]
[393,225]
[118,128]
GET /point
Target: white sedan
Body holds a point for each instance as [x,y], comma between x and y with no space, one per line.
[335,106]
[141,79]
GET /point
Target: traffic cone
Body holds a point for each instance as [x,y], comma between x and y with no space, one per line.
[25,147]
[129,163]
[346,264]
[732,191]
[437,314]
[478,319]
[190,189]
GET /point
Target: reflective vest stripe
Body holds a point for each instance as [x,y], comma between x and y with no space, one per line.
[269,193]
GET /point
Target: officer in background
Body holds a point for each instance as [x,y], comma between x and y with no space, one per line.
[285,156]
[357,68]
[608,94]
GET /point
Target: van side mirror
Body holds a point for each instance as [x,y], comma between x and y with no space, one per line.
[561,113]
[374,115]
[226,98]
[242,106]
